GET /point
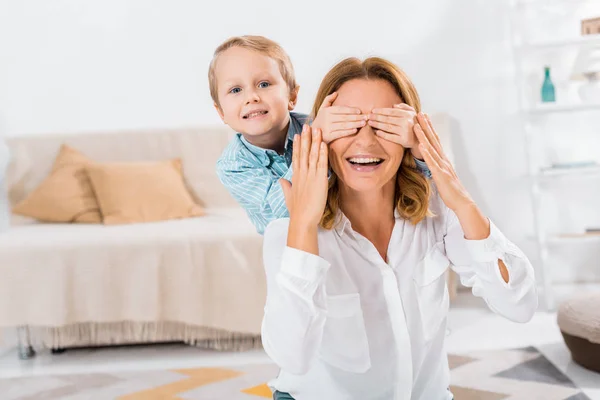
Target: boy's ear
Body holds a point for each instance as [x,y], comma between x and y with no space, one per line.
[293,98]
[220,112]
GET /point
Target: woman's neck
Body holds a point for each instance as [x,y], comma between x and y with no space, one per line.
[371,214]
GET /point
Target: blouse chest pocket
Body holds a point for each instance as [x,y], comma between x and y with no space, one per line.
[432,292]
[345,344]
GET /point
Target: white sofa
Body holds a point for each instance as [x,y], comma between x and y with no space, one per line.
[198,280]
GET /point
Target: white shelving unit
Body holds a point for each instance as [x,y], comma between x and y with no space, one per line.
[532,111]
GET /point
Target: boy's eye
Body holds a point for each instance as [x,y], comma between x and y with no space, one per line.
[235,90]
[263,85]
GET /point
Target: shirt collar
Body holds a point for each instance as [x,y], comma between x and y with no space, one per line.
[294,127]
[342,224]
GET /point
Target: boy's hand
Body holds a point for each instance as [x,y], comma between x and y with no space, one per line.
[338,121]
[395,124]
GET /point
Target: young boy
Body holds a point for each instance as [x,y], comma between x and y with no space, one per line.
[254,90]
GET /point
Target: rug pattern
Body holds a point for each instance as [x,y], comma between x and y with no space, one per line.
[486,375]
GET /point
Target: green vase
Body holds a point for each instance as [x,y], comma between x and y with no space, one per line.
[548,92]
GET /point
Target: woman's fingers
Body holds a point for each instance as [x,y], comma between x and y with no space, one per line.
[423,139]
[305,146]
[315,147]
[434,167]
[433,158]
[430,133]
[322,165]
[432,129]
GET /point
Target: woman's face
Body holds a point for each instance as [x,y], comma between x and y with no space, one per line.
[364,161]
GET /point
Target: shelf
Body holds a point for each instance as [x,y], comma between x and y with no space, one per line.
[538,3]
[574,42]
[551,108]
[568,238]
[558,172]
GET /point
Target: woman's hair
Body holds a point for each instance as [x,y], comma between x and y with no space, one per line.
[259,44]
[412,191]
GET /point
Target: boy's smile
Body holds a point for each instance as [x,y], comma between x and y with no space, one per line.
[254,99]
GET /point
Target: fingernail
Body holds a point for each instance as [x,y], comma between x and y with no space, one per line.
[363,123]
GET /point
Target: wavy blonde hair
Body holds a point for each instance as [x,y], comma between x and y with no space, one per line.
[412,191]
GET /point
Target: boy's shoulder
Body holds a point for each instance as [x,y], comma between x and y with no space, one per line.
[233,148]
[300,117]
[236,157]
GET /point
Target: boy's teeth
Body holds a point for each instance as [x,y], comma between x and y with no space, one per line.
[364,160]
[254,114]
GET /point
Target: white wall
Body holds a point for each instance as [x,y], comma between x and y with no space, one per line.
[72,65]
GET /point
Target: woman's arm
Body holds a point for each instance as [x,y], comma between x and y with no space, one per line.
[477,227]
[485,260]
[296,303]
[493,267]
[295,309]
[307,194]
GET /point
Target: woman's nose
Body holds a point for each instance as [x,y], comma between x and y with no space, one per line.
[366,135]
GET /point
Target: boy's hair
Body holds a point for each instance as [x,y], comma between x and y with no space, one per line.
[257,43]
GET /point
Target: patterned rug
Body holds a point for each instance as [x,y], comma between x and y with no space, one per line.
[487,375]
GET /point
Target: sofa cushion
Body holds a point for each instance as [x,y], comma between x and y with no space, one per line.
[132,192]
[65,195]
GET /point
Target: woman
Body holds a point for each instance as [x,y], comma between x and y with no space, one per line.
[357,303]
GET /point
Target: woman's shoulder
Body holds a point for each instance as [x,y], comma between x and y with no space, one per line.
[277,229]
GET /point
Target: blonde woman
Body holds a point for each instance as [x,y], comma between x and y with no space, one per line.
[357,302]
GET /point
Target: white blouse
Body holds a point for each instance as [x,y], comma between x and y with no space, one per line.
[348,325]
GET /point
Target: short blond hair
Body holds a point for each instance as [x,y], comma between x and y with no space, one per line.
[260,44]
[412,189]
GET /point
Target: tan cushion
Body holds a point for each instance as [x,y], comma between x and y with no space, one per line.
[131,192]
[66,195]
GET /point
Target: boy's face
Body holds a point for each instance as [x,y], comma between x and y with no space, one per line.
[254,99]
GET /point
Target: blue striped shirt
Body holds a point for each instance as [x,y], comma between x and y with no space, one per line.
[251,174]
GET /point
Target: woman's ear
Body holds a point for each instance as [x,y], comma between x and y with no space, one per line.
[220,112]
[293,98]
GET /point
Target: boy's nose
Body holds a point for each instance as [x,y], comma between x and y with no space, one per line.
[252,97]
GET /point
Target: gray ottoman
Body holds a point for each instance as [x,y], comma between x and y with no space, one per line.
[579,322]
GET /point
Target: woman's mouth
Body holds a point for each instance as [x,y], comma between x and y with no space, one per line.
[255,114]
[364,164]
